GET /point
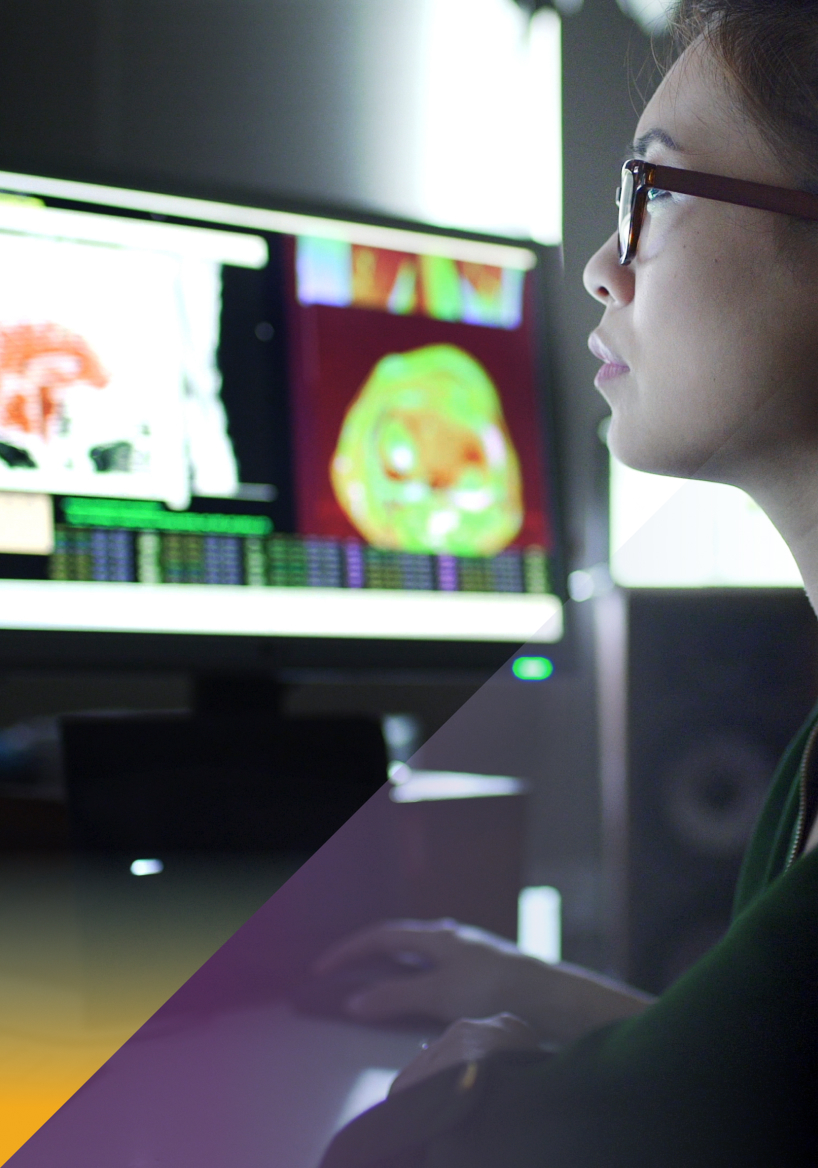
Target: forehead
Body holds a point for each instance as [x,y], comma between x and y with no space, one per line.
[700,109]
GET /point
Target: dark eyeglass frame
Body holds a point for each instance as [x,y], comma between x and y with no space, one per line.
[639,178]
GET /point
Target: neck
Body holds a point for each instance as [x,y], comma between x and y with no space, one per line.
[805,553]
[789,496]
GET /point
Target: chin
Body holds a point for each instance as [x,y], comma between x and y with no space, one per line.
[646,452]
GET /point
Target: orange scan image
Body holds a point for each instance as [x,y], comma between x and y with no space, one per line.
[38,362]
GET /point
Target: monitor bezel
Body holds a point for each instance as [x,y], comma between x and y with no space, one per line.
[293,656]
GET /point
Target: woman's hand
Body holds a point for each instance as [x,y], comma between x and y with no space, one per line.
[471,973]
[465,971]
[467,1041]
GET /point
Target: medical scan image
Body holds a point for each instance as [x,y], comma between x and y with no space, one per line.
[108,377]
[424,461]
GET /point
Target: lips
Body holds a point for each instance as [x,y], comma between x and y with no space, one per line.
[612,364]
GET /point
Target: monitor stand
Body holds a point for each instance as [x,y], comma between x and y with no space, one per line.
[238,693]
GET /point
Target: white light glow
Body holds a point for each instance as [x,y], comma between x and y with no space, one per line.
[676,533]
[539,924]
[580,585]
[411,786]
[287,612]
[650,15]
[543,149]
[147,867]
[490,119]
[400,732]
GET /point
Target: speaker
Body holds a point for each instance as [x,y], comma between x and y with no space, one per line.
[718,682]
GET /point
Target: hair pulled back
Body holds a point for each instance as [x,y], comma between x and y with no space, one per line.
[769,49]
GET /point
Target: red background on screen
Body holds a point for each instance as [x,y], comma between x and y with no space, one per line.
[334,352]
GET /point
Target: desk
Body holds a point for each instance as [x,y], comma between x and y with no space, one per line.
[259,1088]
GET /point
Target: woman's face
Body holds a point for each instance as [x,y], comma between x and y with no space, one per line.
[710,336]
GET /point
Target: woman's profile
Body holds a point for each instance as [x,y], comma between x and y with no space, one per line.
[709,349]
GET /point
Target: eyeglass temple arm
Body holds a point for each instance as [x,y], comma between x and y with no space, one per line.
[801,204]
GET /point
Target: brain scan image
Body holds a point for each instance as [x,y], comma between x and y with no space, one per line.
[424,460]
[109,377]
[38,363]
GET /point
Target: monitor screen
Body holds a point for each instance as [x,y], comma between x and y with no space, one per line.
[228,420]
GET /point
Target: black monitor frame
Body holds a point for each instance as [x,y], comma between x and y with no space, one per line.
[287,657]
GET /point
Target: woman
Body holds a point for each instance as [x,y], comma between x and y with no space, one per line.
[709,350]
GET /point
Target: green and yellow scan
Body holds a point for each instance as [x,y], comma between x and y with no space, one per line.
[424,461]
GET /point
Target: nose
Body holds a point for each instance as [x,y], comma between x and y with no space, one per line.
[605,279]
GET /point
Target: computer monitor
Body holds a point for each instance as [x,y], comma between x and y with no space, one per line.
[232,429]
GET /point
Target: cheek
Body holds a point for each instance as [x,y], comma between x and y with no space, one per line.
[680,333]
[726,348]
[699,359]
[658,229]
[709,299]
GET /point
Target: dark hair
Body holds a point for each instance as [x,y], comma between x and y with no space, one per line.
[770,50]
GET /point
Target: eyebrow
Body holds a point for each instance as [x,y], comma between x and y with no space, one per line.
[641,145]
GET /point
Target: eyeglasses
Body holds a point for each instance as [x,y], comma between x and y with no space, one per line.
[640,178]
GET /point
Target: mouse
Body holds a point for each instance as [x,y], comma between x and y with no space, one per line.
[325,994]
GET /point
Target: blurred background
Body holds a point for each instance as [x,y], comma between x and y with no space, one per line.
[635,746]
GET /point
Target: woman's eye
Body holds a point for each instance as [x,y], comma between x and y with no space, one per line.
[655,196]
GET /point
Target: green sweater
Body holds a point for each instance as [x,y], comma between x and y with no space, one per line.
[721,1071]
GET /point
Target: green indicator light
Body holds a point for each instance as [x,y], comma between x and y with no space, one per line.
[532,668]
[152,516]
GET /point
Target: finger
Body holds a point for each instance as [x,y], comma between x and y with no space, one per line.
[498,1030]
[427,938]
[426,1064]
[508,1032]
[468,1040]
[397,997]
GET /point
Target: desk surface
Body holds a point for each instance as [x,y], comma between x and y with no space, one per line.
[260,1088]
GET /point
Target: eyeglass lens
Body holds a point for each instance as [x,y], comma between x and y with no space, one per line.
[625,200]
